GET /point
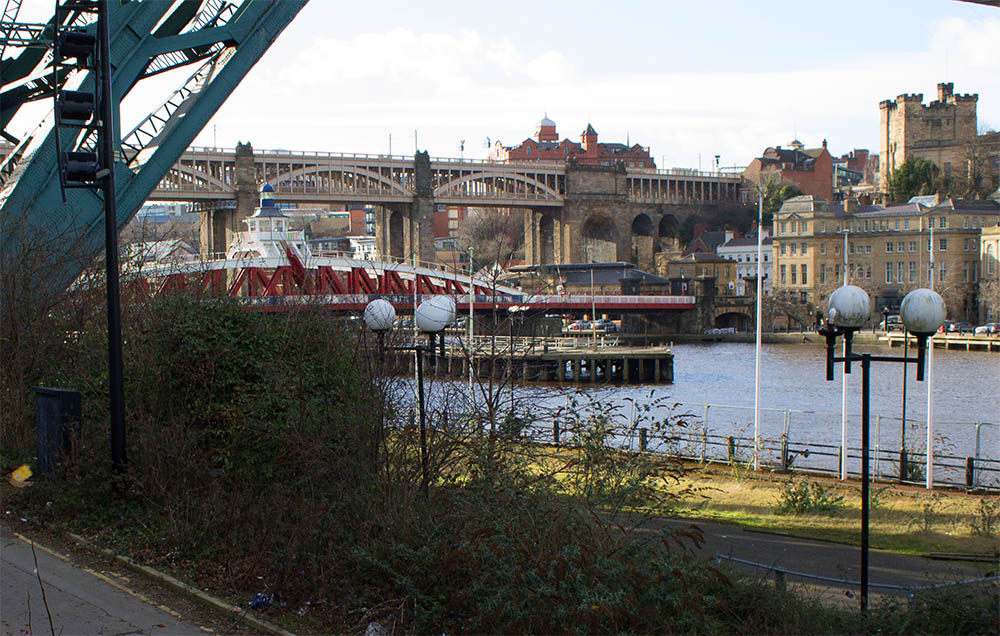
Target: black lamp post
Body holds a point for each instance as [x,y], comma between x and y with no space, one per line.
[431,317]
[923,312]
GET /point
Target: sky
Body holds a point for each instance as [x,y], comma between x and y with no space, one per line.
[689,80]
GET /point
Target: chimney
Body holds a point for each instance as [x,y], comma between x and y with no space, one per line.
[824,143]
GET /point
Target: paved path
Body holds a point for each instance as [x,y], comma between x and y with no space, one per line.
[81,600]
[817,557]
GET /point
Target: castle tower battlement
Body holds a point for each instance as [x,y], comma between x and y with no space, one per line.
[936,131]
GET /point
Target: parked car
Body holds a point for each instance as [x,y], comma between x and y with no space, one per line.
[959,326]
[989,329]
[606,325]
[892,323]
[580,325]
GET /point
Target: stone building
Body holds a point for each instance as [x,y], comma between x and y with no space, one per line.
[545,146]
[702,265]
[744,252]
[989,279]
[887,250]
[943,132]
[809,169]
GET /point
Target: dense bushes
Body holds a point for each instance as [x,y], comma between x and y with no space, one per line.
[267,453]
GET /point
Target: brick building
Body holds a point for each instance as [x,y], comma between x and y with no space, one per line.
[887,250]
[545,146]
[809,169]
[944,132]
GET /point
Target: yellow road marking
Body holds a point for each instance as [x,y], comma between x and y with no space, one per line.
[41,547]
[103,577]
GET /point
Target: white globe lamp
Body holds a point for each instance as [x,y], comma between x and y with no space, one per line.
[435,313]
[380,315]
[849,307]
[922,311]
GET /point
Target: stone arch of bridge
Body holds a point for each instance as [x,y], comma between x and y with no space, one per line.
[668,227]
[644,241]
[546,240]
[397,235]
[600,238]
[394,187]
[443,190]
[211,183]
[729,319]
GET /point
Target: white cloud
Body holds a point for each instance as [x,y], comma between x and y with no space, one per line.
[348,94]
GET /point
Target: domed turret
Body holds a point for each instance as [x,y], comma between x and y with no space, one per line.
[546,130]
[267,196]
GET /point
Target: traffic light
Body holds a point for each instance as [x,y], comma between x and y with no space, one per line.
[79,169]
[76,114]
[76,44]
[76,106]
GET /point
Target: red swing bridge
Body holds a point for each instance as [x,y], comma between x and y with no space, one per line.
[345,284]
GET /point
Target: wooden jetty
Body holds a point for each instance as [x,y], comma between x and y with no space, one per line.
[962,342]
[542,362]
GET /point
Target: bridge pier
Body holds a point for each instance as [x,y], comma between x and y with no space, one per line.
[218,225]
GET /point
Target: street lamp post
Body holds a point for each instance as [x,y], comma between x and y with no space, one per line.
[922,312]
[431,317]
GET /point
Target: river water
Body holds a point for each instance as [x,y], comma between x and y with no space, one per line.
[798,405]
[966,391]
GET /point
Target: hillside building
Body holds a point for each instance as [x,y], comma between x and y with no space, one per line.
[545,146]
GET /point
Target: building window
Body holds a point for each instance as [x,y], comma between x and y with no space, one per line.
[888,247]
[943,222]
[822,273]
[783,227]
[913,246]
[794,271]
[782,273]
[794,247]
[913,271]
[836,271]
[906,224]
[888,272]
[822,248]
[965,245]
[850,248]
[990,261]
[941,272]
[965,222]
[868,273]
[942,244]
[897,225]
[782,249]
[975,271]
[822,228]
[965,270]
[803,227]
[866,226]
[899,272]
[804,276]
[900,247]
[868,248]
[836,248]
[795,226]
[727,271]
[804,248]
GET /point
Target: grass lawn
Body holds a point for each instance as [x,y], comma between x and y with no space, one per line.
[904,519]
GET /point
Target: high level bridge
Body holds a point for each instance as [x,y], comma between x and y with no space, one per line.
[572,213]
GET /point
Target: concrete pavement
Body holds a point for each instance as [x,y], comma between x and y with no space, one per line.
[80,600]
